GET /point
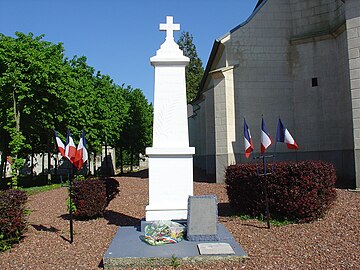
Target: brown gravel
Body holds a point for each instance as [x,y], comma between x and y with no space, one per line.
[330,243]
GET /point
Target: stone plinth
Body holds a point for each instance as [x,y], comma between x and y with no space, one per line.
[170,158]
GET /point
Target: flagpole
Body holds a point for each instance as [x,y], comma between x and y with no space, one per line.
[274,158]
[71,204]
[265,174]
[266,194]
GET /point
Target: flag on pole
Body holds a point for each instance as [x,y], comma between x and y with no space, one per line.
[60,144]
[81,153]
[265,140]
[284,136]
[247,140]
[70,149]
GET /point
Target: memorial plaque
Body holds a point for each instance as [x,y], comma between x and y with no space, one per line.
[215,249]
[202,218]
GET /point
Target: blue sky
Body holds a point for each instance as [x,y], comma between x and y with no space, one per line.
[118,37]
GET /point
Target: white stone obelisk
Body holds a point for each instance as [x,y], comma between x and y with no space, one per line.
[170,158]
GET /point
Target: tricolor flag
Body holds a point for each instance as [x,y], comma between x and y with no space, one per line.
[247,140]
[70,149]
[59,144]
[284,136]
[81,153]
[265,140]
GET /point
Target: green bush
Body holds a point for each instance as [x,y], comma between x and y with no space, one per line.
[12,217]
[298,191]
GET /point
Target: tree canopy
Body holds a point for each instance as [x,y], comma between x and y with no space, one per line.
[42,90]
[194,70]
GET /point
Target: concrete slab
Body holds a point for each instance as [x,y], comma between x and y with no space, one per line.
[215,249]
[128,250]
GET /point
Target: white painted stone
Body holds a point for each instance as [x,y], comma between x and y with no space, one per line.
[170,158]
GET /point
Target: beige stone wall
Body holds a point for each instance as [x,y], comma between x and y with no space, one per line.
[311,17]
[353,43]
[273,58]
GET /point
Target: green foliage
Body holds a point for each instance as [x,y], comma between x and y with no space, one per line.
[35,190]
[137,130]
[70,204]
[174,261]
[194,70]
[42,90]
[262,218]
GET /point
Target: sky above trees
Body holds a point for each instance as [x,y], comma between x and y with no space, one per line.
[119,37]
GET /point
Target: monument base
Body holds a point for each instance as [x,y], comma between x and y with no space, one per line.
[170,182]
[156,213]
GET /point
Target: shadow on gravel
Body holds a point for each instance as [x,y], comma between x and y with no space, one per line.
[44,228]
[144,174]
[118,219]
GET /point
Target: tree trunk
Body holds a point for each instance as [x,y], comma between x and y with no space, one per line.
[43,163]
[131,159]
[56,169]
[16,113]
[3,166]
[106,160]
[32,166]
[94,164]
[121,160]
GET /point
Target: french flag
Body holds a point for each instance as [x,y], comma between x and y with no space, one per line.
[81,153]
[265,140]
[70,149]
[60,144]
[247,140]
[284,136]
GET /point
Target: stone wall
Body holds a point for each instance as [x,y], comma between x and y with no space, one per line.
[353,43]
[289,59]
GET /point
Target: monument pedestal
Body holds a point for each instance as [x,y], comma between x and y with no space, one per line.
[171,174]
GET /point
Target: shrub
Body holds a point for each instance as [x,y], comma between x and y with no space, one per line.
[92,196]
[89,198]
[298,191]
[12,217]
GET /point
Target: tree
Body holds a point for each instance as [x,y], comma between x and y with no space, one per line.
[137,131]
[29,71]
[42,90]
[194,70]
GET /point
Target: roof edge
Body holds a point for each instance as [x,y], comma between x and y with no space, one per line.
[258,6]
[214,50]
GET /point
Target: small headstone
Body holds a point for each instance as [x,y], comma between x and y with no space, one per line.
[215,249]
[202,221]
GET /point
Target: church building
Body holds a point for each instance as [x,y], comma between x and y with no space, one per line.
[294,59]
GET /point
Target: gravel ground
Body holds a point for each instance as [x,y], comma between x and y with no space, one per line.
[330,243]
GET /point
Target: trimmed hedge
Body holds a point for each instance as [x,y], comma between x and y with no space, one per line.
[298,191]
[93,195]
[12,217]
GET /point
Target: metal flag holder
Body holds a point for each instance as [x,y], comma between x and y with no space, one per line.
[70,174]
[265,174]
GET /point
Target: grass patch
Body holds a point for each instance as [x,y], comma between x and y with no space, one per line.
[262,218]
[35,190]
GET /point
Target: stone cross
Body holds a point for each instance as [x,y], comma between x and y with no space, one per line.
[169,27]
